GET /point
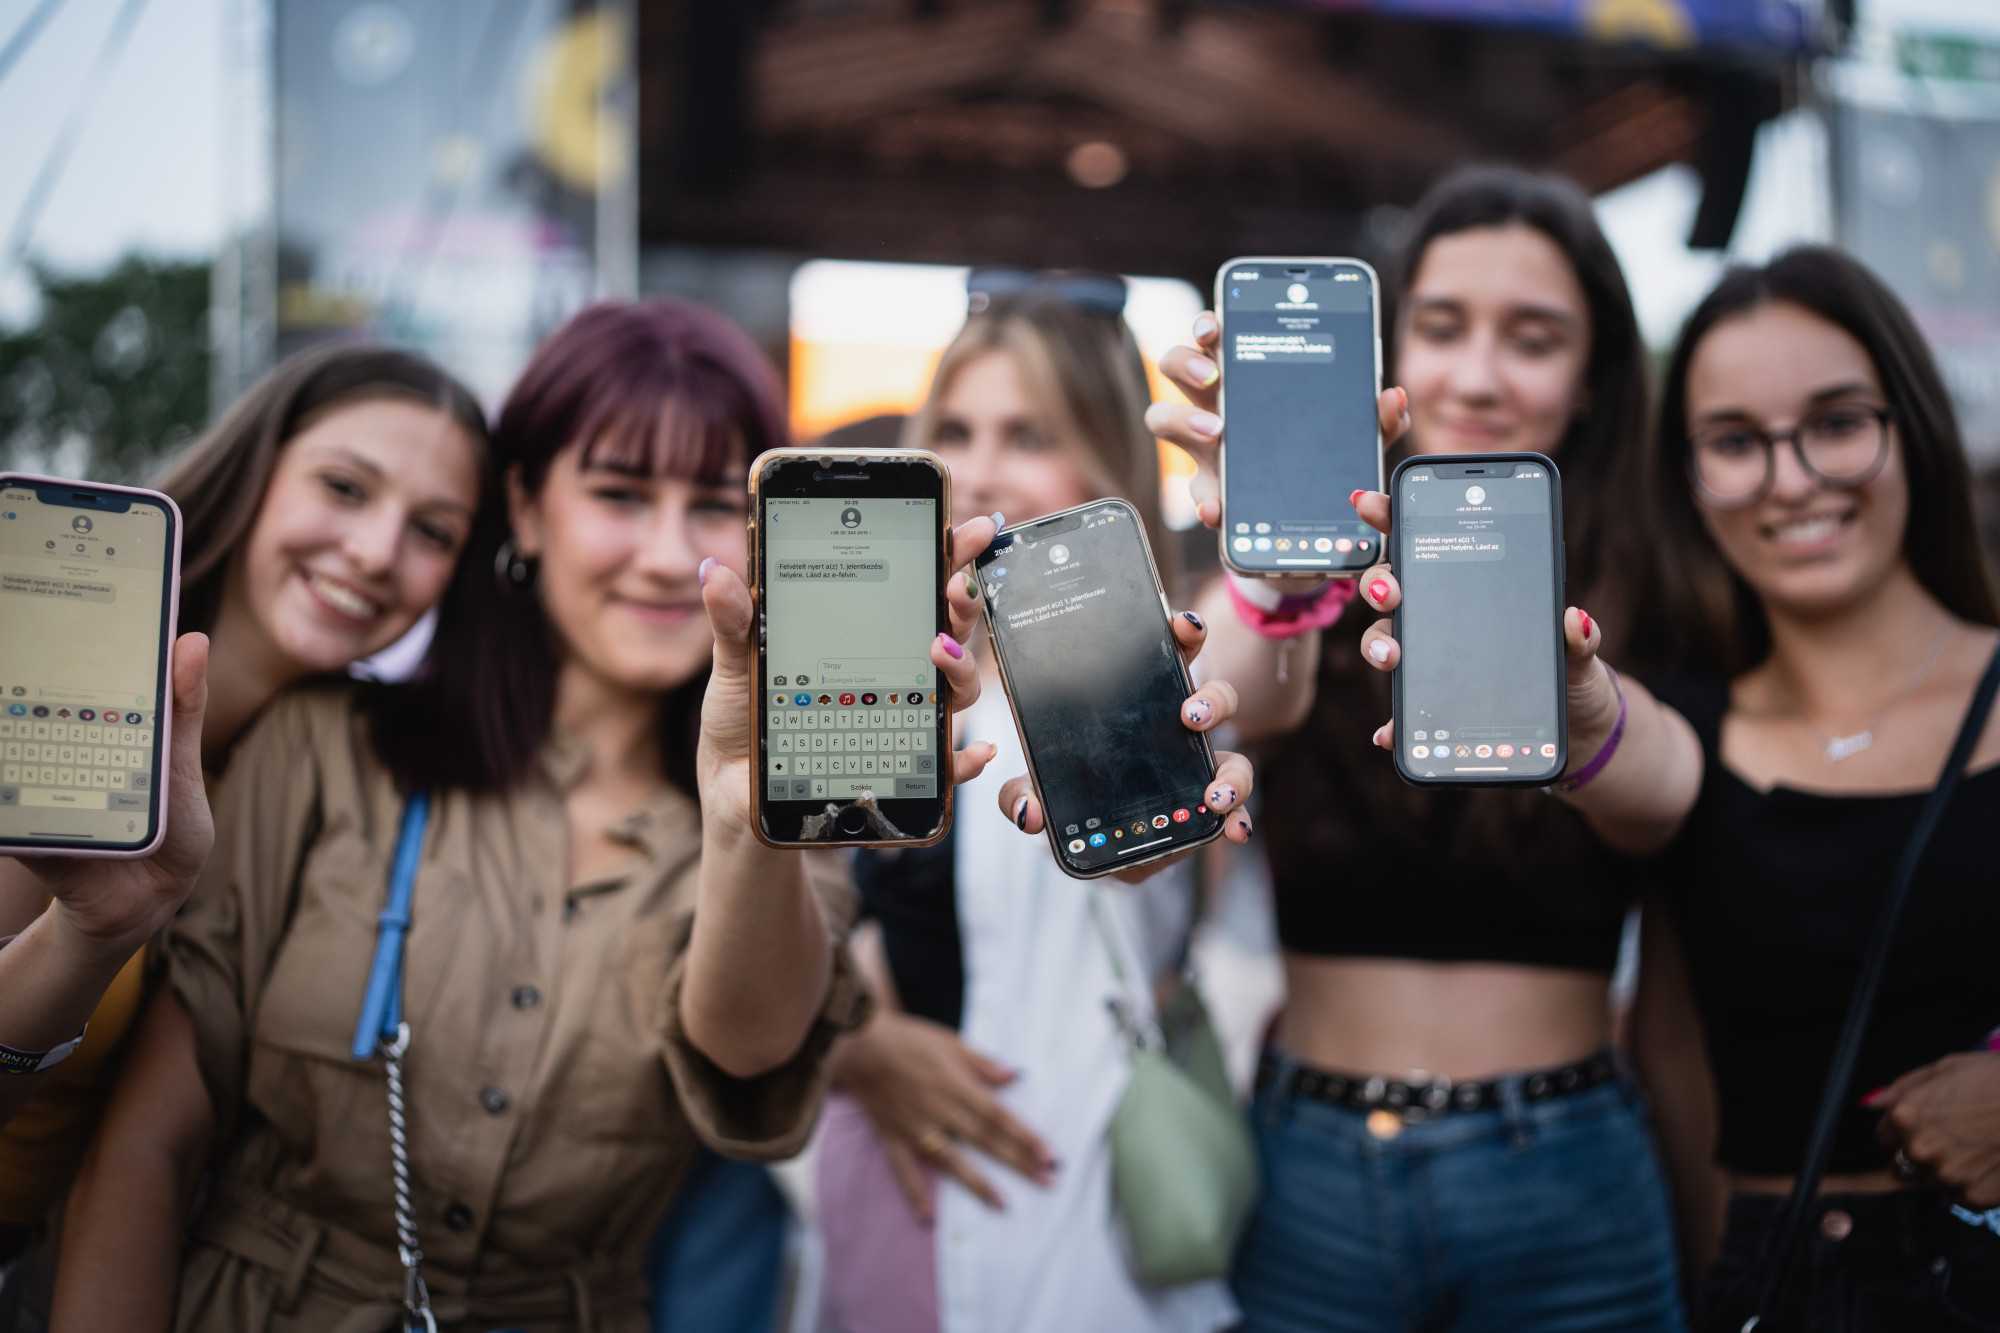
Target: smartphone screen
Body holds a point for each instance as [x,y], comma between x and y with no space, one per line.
[86,576]
[855,744]
[1480,691]
[1301,372]
[1096,684]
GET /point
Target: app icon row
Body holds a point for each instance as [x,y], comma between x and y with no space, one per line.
[1548,751]
[1323,545]
[1138,828]
[81,714]
[804,700]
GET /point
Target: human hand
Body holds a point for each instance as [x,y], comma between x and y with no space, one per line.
[1196,427]
[117,905]
[727,737]
[1944,1118]
[926,1092]
[1204,710]
[1593,695]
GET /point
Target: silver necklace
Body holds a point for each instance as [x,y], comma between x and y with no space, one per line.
[1846,747]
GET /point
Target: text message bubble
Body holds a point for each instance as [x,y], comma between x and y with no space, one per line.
[1313,348]
[1035,615]
[834,571]
[1450,546]
[69,590]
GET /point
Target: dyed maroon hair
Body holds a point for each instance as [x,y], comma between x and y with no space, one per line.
[657,388]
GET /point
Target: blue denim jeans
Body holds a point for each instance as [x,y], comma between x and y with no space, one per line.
[1543,1217]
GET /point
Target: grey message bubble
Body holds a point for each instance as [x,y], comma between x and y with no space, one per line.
[1454,546]
[1311,348]
[834,571]
[69,590]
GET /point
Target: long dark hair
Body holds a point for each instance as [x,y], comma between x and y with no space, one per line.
[1334,798]
[220,480]
[1707,618]
[1601,445]
[653,388]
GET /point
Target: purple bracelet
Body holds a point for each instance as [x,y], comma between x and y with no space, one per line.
[1588,773]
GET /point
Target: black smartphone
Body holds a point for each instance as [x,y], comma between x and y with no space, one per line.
[848,554]
[1481,693]
[1096,681]
[89,587]
[1301,357]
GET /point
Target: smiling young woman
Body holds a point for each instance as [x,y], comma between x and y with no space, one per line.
[323,515]
[604,967]
[1818,589]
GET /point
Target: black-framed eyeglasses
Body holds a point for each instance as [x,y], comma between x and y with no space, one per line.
[1098,293]
[1840,446]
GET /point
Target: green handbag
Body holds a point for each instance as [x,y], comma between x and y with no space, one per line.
[1183,1165]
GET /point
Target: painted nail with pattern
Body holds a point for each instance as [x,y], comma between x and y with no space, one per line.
[1378,650]
[1378,590]
[1222,797]
[1199,712]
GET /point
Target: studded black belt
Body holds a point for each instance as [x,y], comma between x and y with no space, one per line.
[1417,1099]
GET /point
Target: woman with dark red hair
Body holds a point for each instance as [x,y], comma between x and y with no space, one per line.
[604,967]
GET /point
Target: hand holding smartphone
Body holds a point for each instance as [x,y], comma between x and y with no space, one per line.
[1301,362]
[1481,688]
[1095,680]
[89,589]
[849,552]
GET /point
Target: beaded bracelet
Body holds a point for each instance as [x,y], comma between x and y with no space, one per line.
[1278,615]
[1584,776]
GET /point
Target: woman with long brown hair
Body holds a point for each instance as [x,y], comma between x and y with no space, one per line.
[322,517]
[1448,1139]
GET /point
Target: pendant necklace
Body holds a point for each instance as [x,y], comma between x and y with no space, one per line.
[1846,747]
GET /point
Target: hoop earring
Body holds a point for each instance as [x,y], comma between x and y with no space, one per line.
[513,571]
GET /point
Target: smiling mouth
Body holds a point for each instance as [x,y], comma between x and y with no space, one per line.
[342,600]
[1811,531]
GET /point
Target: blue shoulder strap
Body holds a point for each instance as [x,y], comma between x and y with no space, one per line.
[382,1006]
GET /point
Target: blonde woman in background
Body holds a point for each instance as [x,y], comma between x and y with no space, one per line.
[964,1177]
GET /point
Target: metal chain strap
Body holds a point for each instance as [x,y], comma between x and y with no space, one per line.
[417,1316]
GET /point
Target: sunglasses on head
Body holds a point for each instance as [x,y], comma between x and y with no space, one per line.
[1098,293]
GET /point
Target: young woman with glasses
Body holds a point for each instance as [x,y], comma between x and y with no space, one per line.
[1817,583]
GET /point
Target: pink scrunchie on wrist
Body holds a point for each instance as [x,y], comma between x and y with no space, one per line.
[1291,616]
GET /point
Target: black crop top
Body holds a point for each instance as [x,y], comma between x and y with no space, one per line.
[1365,865]
[912,893]
[1775,894]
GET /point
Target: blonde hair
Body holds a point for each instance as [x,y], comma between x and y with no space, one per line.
[1084,375]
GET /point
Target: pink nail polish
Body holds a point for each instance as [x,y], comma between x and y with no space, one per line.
[1377,591]
[1207,423]
[1586,621]
[710,563]
[1199,712]
[1354,496]
[951,646]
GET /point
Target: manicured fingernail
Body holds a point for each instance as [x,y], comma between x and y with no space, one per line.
[951,646]
[1379,650]
[710,563]
[999,519]
[1406,400]
[1202,371]
[1585,615]
[1204,326]
[971,587]
[1204,423]
[1194,620]
[1245,826]
[1222,797]
[1199,712]
[1378,590]
[1021,814]
[1869,1100]
[1354,496]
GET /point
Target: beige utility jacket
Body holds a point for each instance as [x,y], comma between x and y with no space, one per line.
[555,1103]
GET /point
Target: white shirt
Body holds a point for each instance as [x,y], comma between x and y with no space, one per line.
[1036,981]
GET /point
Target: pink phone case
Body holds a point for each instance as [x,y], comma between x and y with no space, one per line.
[167,702]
